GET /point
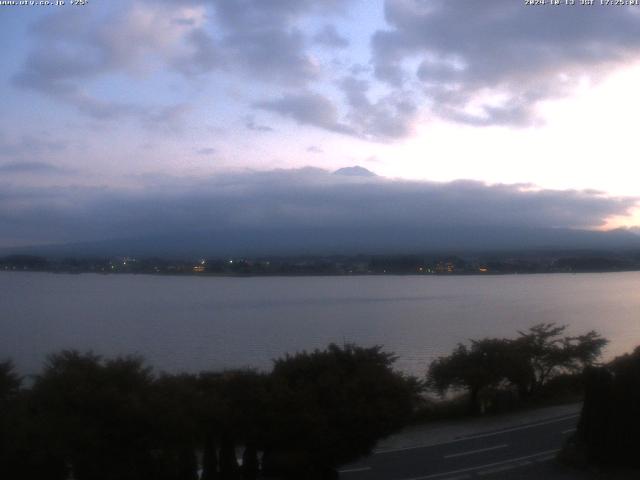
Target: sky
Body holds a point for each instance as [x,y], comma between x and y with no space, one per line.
[142,117]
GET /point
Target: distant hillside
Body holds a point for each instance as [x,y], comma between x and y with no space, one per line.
[310,211]
[349,240]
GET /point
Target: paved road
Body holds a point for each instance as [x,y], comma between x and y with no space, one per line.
[497,454]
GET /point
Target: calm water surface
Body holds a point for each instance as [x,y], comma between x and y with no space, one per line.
[194,323]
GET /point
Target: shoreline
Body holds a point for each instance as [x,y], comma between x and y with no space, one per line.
[319,274]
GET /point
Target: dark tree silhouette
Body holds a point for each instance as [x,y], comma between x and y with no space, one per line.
[485,363]
[609,425]
[234,409]
[97,414]
[13,425]
[10,381]
[176,426]
[545,353]
[90,418]
[526,363]
[329,407]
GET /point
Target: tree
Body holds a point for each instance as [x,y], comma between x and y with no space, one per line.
[546,353]
[526,363]
[96,415]
[11,421]
[10,381]
[175,427]
[233,411]
[91,418]
[331,406]
[609,424]
[485,363]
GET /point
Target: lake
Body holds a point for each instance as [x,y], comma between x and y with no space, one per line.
[194,323]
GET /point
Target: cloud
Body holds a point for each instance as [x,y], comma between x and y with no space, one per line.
[260,38]
[307,108]
[329,36]
[492,64]
[251,124]
[167,119]
[31,167]
[253,15]
[254,51]
[204,57]
[388,118]
[306,209]
[314,149]
[29,146]
[265,38]
[206,151]
[136,41]
[453,60]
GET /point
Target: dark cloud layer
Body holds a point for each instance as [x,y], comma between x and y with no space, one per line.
[31,167]
[28,146]
[303,209]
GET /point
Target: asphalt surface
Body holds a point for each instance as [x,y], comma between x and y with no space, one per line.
[514,452]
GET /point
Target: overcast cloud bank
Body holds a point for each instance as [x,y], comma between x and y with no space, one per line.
[300,209]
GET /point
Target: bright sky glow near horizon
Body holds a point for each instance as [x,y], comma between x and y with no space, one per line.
[122,96]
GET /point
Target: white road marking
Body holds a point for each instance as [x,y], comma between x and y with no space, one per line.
[471,452]
[353,470]
[480,467]
[569,430]
[481,435]
[515,429]
[502,468]
[546,458]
